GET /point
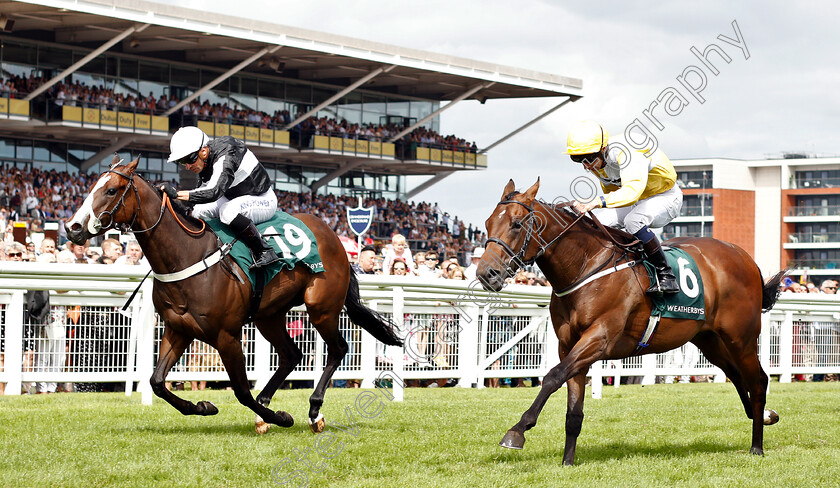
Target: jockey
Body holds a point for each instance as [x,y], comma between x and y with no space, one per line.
[235,187]
[639,191]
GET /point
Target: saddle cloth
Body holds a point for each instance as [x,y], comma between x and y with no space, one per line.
[689,302]
[291,239]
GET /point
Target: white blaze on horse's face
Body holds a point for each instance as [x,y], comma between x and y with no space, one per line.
[86,210]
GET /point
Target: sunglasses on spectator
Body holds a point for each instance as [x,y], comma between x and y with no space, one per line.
[399,268]
[14,254]
[830,287]
[188,159]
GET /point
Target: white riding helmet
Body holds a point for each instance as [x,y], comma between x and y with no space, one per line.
[185,141]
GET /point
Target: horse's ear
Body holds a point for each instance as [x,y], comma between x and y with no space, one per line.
[531,193]
[132,165]
[116,160]
[508,189]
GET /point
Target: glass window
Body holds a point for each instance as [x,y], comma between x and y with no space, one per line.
[24,150]
[129,69]
[399,108]
[154,72]
[54,58]
[7,148]
[298,93]
[42,151]
[186,77]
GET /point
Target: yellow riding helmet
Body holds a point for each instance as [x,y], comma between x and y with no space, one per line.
[586,137]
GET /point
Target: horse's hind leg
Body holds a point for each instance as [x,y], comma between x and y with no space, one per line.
[712,346]
[327,326]
[289,354]
[756,380]
[230,350]
[172,347]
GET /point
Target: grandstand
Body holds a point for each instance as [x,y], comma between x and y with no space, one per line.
[328,114]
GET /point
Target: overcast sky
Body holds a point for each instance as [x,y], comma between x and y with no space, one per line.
[784,98]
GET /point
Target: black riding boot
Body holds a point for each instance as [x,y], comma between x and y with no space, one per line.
[247,232]
[667,280]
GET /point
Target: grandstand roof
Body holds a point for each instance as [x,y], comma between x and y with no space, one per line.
[187,35]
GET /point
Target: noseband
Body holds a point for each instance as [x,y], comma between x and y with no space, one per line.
[518,259]
[110,213]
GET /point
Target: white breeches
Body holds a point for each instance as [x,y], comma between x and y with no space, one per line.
[656,211]
[257,208]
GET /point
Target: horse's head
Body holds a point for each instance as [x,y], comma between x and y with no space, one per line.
[112,201]
[510,230]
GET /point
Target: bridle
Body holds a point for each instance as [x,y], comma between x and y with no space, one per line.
[518,259]
[125,227]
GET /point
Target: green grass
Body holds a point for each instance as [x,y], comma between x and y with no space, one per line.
[664,435]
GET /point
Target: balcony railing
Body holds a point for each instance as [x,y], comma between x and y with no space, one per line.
[810,237]
[815,211]
[696,211]
[829,263]
[829,182]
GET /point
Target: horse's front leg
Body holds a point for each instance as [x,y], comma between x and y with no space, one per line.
[172,347]
[587,350]
[574,415]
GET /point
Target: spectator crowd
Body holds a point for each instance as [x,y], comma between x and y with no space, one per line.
[82,95]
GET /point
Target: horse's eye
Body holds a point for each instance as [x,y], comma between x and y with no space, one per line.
[111,192]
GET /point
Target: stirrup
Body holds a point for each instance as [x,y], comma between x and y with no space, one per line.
[265,258]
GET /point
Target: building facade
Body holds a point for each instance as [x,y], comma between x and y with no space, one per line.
[784,212]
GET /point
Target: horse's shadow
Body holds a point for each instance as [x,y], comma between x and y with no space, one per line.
[615,451]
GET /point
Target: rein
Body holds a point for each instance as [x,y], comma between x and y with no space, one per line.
[518,259]
[164,204]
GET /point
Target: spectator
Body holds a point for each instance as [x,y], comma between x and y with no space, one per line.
[430,269]
[399,268]
[133,255]
[475,257]
[111,250]
[367,259]
[48,248]
[829,286]
[398,250]
[79,252]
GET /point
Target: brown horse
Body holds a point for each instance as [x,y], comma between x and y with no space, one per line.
[606,317]
[213,304]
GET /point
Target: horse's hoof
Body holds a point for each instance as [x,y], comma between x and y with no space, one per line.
[284,419]
[513,440]
[770,417]
[206,408]
[261,426]
[757,451]
[317,424]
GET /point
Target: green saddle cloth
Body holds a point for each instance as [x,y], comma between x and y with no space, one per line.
[689,302]
[290,238]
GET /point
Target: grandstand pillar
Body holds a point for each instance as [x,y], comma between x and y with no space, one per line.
[14,343]
[326,103]
[115,146]
[85,60]
[335,174]
[227,74]
[529,124]
[426,184]
[437,112]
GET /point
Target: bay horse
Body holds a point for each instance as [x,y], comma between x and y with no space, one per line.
[605,318]
[213,305]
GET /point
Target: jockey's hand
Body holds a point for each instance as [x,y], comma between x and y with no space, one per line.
[169,190]
[183,195]
[585,207]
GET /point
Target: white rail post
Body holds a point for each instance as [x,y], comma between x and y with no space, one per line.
[131,359]
[468,345]
[146,343]
[14,343]
[368,352]
[396,351]
[649,369]
[262,360]
[482,327]
[786,349]
[764,346]
[596,373]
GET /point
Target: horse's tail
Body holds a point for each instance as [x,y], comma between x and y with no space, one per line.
[378,326]
[771,290]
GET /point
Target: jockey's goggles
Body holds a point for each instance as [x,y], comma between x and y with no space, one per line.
[188,159]
[584,158]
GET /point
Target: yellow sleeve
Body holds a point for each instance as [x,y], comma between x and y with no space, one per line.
[634,178]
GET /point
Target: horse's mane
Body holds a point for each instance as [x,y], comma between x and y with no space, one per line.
[182,208]
[619,235]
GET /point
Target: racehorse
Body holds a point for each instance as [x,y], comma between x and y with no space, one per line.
[606,317]
[213,305]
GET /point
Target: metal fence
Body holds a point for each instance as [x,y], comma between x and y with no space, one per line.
[453,330]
